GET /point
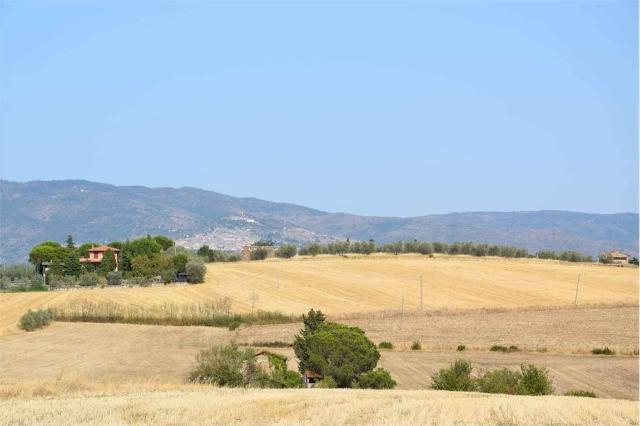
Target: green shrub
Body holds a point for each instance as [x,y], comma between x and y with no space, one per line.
[60,281]
[499,381]
[259,254]
[196,271]
[327,383]
[88,279]
[582,393]
[283,379]
[416,346]
[375,379]
[286,251]
[229,366]
[168,276]
[114,278]
[385,345]
[461,348]
[602,351]
[33,320]
[224,366]
[534,381]
[455,378]
[501,348]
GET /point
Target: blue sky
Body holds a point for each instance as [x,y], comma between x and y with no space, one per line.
[369,108]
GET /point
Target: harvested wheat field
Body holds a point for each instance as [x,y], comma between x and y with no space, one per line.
[121,352]
[340,285]
[202,405]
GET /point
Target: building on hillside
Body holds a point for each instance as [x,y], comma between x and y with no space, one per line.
[619,258]
[96,254]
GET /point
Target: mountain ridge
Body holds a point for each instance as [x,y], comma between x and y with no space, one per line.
[39,210]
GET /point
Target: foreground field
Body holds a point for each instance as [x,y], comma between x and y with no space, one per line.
[356,284]
[201,405]
[117,353]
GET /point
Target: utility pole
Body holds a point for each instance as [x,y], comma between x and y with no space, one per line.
[421,300]
[402,313]
[575,301]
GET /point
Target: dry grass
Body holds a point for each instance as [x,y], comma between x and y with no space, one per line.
[201,405]
[121,353]
[340,285]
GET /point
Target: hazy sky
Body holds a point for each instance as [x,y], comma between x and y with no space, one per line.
[370,108]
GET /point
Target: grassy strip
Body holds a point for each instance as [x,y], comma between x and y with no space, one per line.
[209,315]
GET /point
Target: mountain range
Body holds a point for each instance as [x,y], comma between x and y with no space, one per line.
[36,211]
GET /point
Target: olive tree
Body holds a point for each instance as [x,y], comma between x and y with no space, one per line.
[196,271]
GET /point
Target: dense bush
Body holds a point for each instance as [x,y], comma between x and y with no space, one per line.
[259,253]
[574,256]
[196,271]
[62,281]
[385,345]
[416,346]
[581,393]
[534,381]
[461,348]
[32,320]
[501,348]
[211,255]
[530,380]
[89,279]
[168,276]
[114,278]
[327,383]
[499,381]
[455,378]
[224,366]
[334,350]
[546,254]
[375,379]
[602,351]
[233,367]
[286,251]
[180,261]
[17,272]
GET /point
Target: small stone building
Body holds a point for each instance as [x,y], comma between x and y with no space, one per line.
[311,378]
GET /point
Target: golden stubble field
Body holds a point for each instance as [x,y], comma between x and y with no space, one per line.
[117,353]
[357,284]
[196,405]
[80,373]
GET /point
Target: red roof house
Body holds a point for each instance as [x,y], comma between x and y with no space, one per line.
[96,254]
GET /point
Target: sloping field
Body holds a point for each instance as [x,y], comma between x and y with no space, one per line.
[122,352]
[201,405]
[339,285]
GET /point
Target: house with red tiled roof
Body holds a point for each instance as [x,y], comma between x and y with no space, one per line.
[95,255]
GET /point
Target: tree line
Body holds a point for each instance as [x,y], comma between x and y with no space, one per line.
[428,248]
[141,258]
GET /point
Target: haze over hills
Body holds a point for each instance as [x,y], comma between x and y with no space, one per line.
[35,211]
